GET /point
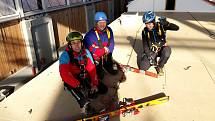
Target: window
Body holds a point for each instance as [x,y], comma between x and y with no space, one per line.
[54,3]
[75,1]
[31,5]
[7,7]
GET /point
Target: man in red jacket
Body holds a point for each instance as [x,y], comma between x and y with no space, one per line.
[78,71]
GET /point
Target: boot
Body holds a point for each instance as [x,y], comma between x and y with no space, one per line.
[111,68]
[84,108]
[160,71]
[100,72]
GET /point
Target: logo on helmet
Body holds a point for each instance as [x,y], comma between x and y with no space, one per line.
[148,16]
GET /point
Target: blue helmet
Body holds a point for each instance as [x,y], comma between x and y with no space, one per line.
[100,16]
[148,16]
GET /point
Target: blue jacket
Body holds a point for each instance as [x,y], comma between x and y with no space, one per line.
[92,44]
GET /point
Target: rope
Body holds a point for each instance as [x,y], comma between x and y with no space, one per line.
[134,43]
[211,35]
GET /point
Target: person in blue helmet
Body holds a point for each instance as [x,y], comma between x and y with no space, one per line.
[100,42]
[154,43]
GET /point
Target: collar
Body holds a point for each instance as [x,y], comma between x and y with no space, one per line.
[99,31]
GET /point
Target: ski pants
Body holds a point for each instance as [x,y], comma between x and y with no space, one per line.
[81,97]
[164,54]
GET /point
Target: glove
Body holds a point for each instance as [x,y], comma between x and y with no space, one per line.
[151,60]
[94,89]
[106,50]
[163,20]
[92,94]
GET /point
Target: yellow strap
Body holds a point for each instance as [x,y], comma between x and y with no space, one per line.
[97,35]
[148,35]
[108,35]
[159,29]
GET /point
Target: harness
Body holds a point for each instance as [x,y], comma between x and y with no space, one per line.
[99,40]
[82,76]
[159,36]
[83,72]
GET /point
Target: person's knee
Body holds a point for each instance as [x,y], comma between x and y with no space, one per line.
[143,62]
[143,65]
[167,52]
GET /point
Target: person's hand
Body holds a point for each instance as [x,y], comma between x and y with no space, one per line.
[151,58]
[151,61]
[106,50]
[94,89]
[163,20]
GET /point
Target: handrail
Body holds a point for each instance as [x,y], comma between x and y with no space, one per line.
[46,10]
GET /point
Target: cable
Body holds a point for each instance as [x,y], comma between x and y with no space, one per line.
[208,72]
[211,35]
[134,44]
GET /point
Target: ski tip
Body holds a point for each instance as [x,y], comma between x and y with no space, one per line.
[148,73]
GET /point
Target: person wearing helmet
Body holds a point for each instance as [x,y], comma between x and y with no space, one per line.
[100,42]
[154,43]
[78,71]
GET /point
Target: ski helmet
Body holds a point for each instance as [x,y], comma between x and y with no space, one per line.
[100,16]
[148,16]
[74,36]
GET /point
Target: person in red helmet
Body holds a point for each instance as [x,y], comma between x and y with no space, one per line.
[154,43]
[78,72]
[100,42]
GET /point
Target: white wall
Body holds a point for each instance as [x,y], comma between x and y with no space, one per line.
[145,5]
[181,6]
[194,6]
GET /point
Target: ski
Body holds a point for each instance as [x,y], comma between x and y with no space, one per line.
[126,68]
[128,105]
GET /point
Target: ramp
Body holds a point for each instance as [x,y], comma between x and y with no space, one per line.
[189,78]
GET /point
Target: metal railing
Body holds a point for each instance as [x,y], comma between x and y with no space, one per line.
[25,8]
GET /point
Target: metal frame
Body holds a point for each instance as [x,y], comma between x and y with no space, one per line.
[20,13]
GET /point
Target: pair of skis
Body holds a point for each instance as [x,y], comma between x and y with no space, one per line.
[128,105]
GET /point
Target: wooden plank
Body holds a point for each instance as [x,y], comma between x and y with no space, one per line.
[60,22]
[13,53]
[9,49]
[77,22]
[25,60]
[5,66]
[2,56]
[22,53]
[102,6]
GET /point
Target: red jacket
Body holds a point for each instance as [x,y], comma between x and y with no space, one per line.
[69,71]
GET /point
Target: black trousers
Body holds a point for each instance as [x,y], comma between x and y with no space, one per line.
[81,96]
[164,54]
[107,63]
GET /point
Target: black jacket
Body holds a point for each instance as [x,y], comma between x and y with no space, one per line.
[157,35]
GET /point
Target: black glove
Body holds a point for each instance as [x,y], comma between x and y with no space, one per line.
[152,60]
[163,21]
